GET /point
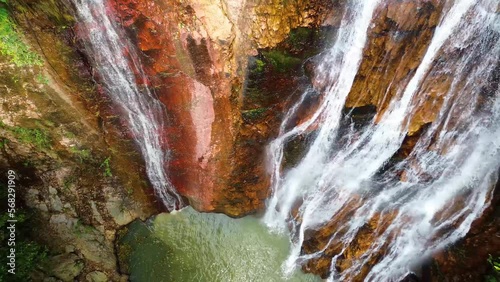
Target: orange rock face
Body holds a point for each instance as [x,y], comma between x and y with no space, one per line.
[195,53]
[396,44]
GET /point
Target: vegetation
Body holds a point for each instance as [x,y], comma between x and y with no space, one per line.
[495,263]
[36,137]
[494,275]
[69,180]
[82,154]
[107,167]
[40,78]
[259,66]
[82,229]
[3,142]
[12,45]
[29,254]
[281,61]
[300,37]
[252,115]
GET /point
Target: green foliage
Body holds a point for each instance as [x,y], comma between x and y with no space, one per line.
[69,134]
[3,142]
[28,163]
[12,45]
[259,66]
[495,266]
[82,154]
[252,115]
[33,136]
[490,278]
[495,263]
[256,96]
[107,167]
[281,61]
[40,78]
[81,229]
[29,254]
[68,181]
[300,37]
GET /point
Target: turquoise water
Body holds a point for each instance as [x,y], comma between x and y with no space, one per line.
[192,246]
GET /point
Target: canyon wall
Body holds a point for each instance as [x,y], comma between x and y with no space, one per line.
[74,186]
[226,72]
[195,54]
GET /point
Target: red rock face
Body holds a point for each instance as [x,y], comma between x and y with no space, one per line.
[188,102]
[194,63]
[185,73]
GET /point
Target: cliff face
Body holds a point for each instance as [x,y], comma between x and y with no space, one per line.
[74,187]
[62,135]
[398,38]
[195,53]
[226,71]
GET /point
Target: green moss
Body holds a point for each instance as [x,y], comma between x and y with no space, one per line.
[256,96]
[68,181]
[105,165]
[28,163]
[12,46]
[82,229]
[69,134]
[495,263]
[3,142]
[40,78]
[281,61]
[259,66]
[81,154]
[294,150]
[300,37]
[252,115]
[494,275]
[36,137]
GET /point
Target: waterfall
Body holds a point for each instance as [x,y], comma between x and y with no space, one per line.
[449,175]
[114,59]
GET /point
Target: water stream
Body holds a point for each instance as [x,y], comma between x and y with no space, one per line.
[114,58]
[449,175]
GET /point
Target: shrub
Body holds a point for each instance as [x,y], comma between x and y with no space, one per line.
[33,136]
[106,166]
[11,44]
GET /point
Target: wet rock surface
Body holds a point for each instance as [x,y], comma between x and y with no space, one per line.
[73,183]
[226,72]
[195,54]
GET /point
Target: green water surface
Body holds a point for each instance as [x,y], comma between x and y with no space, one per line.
[192,246]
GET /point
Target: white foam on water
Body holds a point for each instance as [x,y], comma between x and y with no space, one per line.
[449,175]
[143,112]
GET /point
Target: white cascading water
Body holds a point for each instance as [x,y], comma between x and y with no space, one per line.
[449,175]
[105,48]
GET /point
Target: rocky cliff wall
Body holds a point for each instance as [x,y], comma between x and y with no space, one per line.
[195,53]
[74,187]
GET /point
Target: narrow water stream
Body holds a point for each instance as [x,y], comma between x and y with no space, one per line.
[192,246]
